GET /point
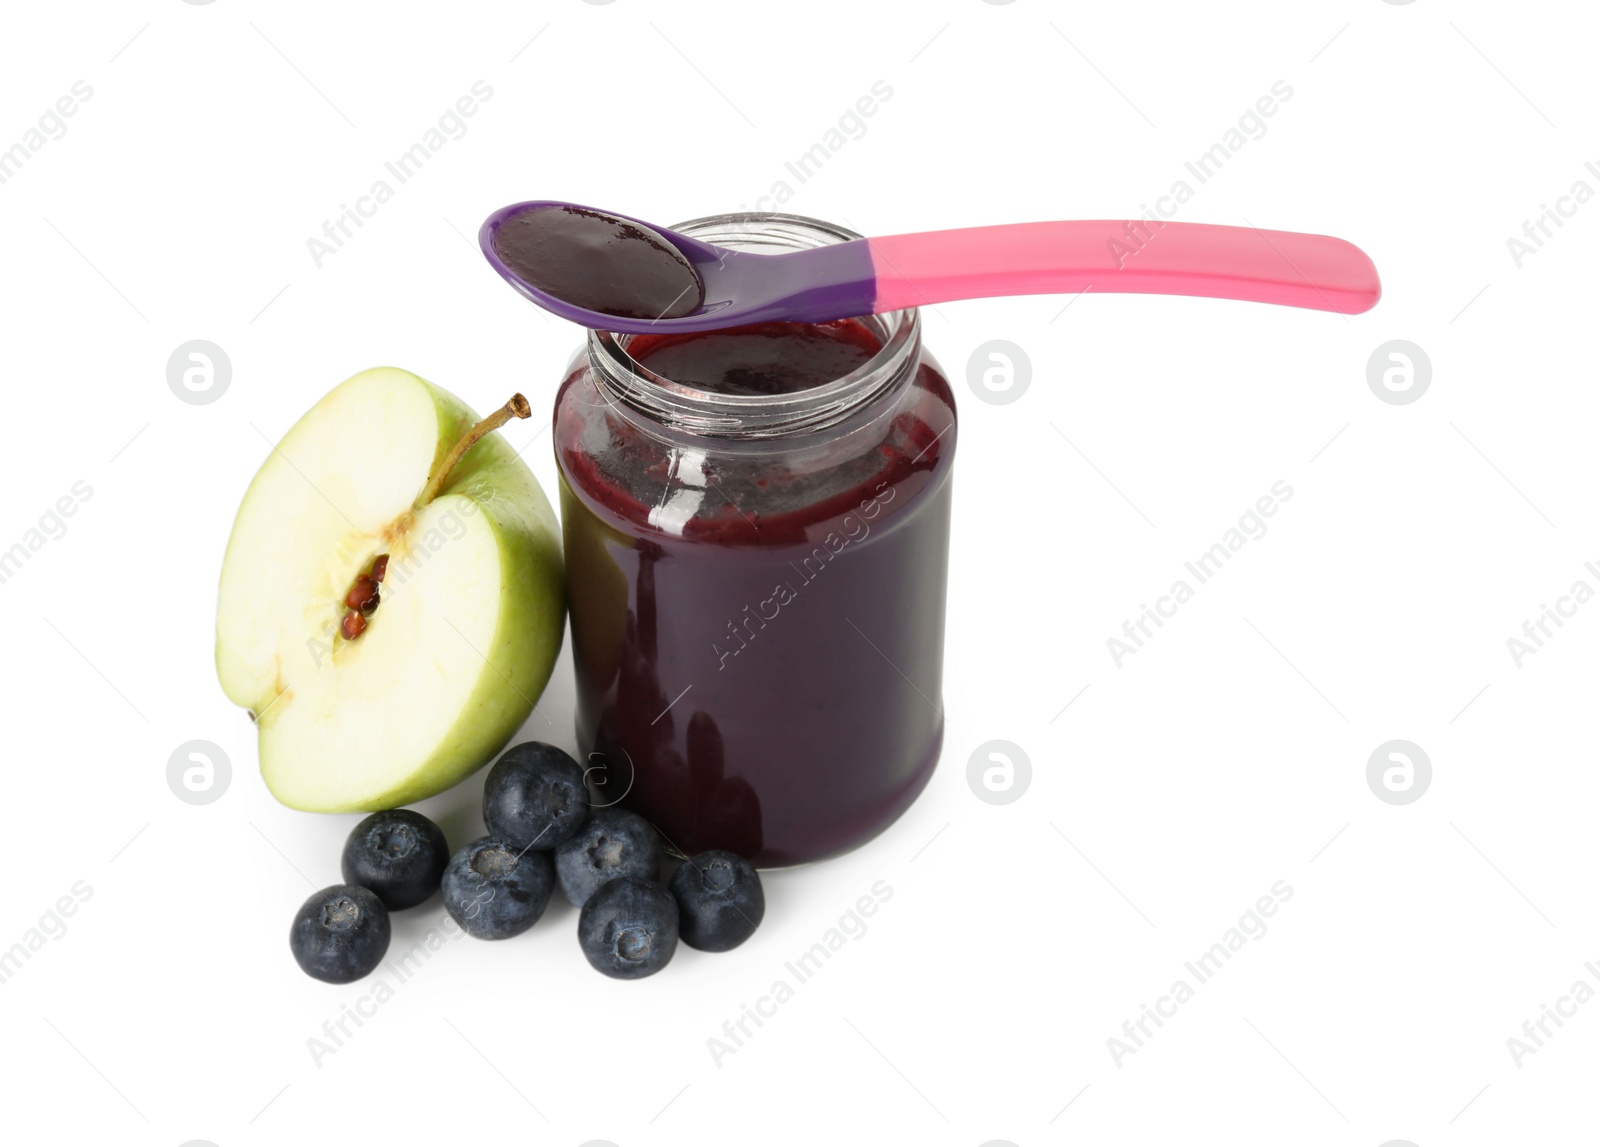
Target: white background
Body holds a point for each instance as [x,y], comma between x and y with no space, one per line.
[1226,755]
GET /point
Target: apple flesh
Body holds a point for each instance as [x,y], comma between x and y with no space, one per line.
[454,656]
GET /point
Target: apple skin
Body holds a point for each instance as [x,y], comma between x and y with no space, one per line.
[509,667]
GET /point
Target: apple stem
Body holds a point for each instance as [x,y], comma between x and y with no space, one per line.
[517,408]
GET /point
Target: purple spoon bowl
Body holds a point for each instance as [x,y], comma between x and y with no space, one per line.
[815,285]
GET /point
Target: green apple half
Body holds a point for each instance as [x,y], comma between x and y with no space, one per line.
[471,614]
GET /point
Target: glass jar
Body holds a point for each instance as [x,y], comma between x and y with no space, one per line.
[757,583]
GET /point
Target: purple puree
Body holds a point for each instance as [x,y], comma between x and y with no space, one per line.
[769,661]
[599,262]
[766,358]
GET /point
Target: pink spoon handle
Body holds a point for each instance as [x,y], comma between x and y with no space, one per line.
[1136,256]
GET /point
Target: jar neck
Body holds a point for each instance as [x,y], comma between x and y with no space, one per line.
[691,410]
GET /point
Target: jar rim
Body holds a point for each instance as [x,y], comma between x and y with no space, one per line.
[748,416]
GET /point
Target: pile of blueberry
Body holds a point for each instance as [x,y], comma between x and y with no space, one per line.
[541,832]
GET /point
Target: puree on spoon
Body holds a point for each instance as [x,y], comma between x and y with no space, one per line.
[600,262]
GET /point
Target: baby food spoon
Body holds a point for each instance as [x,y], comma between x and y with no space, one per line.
[613,272]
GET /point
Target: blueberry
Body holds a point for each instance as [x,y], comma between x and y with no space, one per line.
[340,934]
[495,890]
[629,929]
[613,843]
[534,796]
[398,854]
[720,901]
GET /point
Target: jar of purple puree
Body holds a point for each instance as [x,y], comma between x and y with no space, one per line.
[757,530]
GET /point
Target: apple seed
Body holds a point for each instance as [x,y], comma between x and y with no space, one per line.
[363,591]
